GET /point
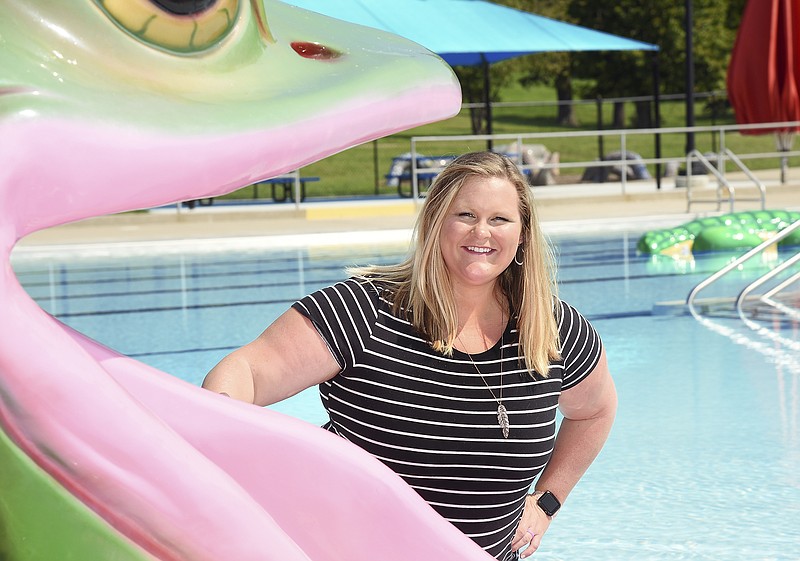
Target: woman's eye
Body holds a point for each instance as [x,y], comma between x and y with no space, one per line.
[178,26]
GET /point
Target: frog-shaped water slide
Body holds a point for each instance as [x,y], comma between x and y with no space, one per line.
[108,106]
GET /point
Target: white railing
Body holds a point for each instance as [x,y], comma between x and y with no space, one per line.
[724,187]
[723,154]
[736,263]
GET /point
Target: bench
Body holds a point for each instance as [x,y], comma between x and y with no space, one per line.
[285,182]
[428,167]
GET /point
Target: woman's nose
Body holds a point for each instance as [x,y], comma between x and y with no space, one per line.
[481,229]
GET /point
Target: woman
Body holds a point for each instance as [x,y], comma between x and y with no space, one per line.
[450,366]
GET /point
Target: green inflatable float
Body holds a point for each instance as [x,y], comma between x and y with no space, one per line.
[727,232]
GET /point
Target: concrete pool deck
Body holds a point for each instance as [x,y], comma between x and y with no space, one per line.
[561,208]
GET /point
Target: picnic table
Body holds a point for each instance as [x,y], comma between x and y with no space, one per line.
[428,167]
[281,189]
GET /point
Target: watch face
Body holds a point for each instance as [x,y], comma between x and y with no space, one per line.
[548,503]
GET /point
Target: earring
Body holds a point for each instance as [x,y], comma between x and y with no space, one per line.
[519,261]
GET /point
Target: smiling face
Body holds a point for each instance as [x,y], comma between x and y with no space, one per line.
[481,231]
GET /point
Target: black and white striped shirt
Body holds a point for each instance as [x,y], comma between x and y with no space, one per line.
[432,419]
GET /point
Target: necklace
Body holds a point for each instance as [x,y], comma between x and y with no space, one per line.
[502,414]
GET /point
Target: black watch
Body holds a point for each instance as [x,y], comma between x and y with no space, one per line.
[548,502]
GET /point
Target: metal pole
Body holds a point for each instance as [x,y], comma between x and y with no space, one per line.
[297,190]
[375,166]
[603,169]
[599,102]
[657,110]
[689,26]
[486,101]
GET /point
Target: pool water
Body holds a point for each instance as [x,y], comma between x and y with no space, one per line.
[704,459]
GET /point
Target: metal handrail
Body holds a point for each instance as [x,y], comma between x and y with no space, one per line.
[712,169]
[760,184]
[762,279]
[738,261]
[781,307]
[624,136]
[610,132]
[722,180]
[791,280]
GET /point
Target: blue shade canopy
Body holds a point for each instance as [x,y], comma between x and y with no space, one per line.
[464,32]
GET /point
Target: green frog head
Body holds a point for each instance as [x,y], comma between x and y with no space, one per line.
[113,105]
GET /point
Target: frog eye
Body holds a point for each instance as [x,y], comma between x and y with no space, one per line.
[180,26]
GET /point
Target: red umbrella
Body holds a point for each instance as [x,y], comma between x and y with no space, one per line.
[764,72]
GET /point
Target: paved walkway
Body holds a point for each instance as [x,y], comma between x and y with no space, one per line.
[561,208]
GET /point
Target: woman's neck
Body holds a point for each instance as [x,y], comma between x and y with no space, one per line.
[482,318]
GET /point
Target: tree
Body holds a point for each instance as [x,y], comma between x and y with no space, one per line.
[553,68]
[660,22]
[614,74]
[472,90]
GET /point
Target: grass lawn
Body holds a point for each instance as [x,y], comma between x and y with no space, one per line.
[360,171]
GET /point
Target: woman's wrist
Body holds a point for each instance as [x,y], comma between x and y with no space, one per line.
[546,501]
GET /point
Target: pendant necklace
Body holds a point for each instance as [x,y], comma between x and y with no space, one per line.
[502,414]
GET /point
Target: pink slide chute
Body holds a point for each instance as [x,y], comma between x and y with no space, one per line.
[103,114]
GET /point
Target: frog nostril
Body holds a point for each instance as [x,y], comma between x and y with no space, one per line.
[315,50]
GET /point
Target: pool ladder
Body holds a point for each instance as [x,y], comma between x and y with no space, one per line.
[770,298]
[724,189]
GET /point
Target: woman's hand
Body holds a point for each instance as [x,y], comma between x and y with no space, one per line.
[588,410]
[532,526]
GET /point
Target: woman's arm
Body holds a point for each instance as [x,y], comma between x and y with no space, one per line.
[288,357]
[589,409]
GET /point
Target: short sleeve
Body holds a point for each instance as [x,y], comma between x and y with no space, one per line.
[581,346]
[344,315]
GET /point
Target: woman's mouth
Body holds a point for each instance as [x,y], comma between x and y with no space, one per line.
[481,250]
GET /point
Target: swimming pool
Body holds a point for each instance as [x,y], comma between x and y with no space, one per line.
[704,459]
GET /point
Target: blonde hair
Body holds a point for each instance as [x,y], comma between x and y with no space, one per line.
[420,285]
